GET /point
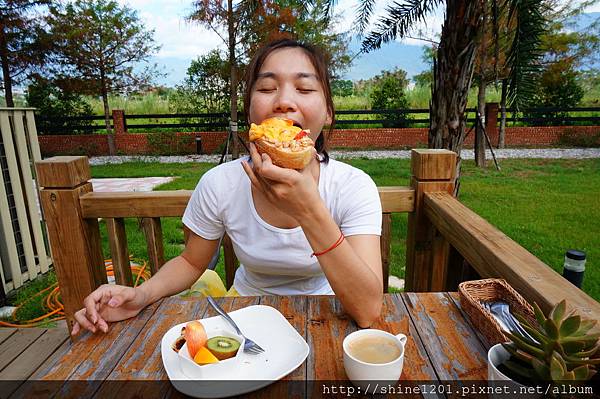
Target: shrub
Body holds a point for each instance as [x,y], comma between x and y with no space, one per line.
[558,88]
[51,100]
[388,94]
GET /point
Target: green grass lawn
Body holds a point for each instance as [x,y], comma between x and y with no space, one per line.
[547,206]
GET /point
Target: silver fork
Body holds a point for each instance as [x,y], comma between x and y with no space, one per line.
[249,345]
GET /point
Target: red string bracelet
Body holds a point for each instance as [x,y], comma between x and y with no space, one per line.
[331,248]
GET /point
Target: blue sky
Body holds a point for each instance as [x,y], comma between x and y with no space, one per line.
[181,41]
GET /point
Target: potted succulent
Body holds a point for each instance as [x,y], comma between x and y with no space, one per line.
[566,352]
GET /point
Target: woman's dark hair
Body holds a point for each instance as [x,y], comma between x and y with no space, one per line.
[318,61]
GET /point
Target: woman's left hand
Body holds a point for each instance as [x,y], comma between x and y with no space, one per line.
[294,192]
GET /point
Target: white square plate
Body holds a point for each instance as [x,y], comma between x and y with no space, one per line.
[285,350]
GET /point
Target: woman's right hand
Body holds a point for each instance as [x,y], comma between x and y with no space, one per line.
[106,304]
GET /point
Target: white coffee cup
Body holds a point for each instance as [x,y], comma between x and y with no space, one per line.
[362,373]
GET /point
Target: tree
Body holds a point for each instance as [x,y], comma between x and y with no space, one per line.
[425,78]
[218,15]
[300,20]
[246,25]
[456,54]
[558,88]
[21,42]
[566,53]
[51,100]
[202,90]
[388,94]
[342,87]
[561,42]
[97,44]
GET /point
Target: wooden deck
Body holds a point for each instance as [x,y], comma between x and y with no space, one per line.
[24,350]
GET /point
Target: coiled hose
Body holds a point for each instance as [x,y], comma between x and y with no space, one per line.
[51,300]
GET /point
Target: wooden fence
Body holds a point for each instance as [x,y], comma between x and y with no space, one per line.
[122,123]
[23,254]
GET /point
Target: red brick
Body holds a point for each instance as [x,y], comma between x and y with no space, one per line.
[391,138]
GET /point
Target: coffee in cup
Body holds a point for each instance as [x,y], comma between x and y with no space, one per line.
[373,355]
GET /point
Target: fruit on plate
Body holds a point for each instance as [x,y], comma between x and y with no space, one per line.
[288,145]
[223,347]
[195,337]
[204,356]
[180,341]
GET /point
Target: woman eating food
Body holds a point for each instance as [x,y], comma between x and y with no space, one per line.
[300,222]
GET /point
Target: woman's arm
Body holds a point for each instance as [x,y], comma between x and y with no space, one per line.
[182,271]
[354,267]
[109,302]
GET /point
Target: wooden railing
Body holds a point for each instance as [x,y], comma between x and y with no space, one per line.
[446,242]
[493,254]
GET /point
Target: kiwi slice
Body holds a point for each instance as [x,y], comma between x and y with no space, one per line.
[222,347]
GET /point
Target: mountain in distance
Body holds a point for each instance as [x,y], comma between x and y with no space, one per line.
[365,66]
[408,56]
[390,56]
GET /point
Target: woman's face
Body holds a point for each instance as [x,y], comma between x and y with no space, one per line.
[287,86]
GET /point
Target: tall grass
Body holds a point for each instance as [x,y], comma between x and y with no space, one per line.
[152,103]
[418,97]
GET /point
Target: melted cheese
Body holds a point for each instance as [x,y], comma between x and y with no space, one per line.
[279,129]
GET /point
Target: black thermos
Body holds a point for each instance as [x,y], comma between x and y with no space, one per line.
[574,266]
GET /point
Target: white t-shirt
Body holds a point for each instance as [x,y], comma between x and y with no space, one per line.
[275,261]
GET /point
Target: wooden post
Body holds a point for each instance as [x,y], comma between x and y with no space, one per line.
[117,241]
[427,250]
[74,241]
[154,240]
[385,245]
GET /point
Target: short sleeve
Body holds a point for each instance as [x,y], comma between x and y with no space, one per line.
[203,214]
[361,207]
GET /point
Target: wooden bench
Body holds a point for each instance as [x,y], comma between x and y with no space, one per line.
[446,242]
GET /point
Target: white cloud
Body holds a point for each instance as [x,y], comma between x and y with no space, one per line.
[430,30]
[593,8]
[180,38]
[177,37]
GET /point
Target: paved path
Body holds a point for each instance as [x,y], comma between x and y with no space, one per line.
[551,153]
[129,183]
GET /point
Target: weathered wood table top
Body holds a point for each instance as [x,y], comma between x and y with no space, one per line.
[441,346]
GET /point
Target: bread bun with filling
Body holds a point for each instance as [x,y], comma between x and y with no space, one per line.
[288,146]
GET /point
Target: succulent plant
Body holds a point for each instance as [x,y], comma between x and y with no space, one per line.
[566,351]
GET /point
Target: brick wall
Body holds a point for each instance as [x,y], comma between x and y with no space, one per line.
[184,143]
[87,144]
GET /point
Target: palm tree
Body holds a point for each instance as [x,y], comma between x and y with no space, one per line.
[459,47]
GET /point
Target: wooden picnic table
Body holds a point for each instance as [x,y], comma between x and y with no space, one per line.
[442,345]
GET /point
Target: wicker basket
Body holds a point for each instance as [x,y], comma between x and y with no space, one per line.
[472,293]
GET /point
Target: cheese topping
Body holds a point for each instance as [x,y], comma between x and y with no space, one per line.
[278,129]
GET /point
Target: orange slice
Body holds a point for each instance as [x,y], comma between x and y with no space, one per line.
[203,356]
